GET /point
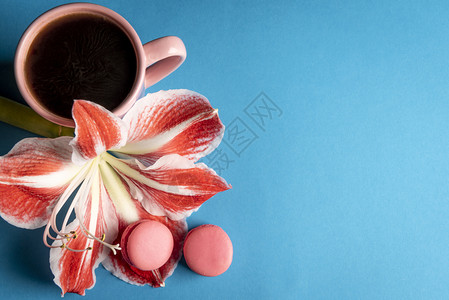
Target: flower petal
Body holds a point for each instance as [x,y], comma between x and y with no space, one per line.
[97,130]
[174,186]
[74,271]
[174,121]
[32,176]
[117,265]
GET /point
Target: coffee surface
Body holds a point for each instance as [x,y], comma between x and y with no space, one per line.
[80,56]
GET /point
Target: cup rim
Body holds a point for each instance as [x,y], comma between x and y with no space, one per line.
[68,9]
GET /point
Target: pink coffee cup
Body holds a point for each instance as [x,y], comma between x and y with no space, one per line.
[155,59]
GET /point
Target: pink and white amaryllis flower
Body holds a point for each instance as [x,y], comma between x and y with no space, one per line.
[113,173]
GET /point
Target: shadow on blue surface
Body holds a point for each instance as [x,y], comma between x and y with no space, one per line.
[8,86]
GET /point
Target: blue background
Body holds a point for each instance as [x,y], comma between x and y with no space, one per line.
[341,193]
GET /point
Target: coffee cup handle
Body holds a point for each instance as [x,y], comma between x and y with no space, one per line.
[163,56]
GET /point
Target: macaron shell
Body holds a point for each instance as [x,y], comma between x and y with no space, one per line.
[208,250]
[124,239]
[149,245]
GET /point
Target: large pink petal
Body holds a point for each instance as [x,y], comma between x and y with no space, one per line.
[117,265]
[175,121]
[97,130]
[74,271]
[173,186]
[32,177]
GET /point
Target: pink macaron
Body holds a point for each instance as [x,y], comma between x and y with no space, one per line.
[208,250]
[147,245]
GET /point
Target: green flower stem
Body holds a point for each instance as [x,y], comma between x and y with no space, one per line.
[24,117]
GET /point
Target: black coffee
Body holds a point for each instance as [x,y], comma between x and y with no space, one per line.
[80,56]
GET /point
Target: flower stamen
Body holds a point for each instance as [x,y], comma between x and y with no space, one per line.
[78,178]
[89,235]
[85,177]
